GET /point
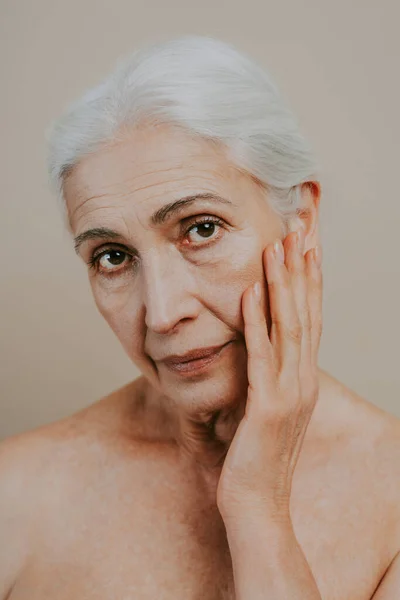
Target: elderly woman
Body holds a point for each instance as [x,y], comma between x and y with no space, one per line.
[233,467]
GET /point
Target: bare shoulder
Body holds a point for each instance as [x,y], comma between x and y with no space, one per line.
[103,424]
[373,427]
[368,439]
[41,469]
[118,428]
[26,464]
[347,413]
[378,448]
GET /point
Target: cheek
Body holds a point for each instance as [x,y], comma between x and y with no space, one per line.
[124,321]
[223,285]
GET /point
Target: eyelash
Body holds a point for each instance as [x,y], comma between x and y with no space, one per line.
[94,260]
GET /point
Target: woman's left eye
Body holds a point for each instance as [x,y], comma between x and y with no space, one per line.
[205,227]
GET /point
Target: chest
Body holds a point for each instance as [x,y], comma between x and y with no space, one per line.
[162,539]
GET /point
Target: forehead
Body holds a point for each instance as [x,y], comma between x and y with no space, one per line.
[148,166]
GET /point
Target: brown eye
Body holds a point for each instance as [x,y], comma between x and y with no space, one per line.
[204,228]
[112,258]
[110,261]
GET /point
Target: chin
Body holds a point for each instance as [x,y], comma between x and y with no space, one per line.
[222,385]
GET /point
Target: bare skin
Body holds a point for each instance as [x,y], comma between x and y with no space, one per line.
[115,509]
[118,500]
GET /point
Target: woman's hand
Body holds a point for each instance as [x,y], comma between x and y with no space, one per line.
[283,386]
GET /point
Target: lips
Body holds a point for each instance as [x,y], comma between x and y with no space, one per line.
[193,355]
[198,366]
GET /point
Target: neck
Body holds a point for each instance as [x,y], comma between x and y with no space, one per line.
[204,438]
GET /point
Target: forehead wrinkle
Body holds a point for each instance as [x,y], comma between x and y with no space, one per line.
[144,187]
[180,164]
[181,179]
[194,187]
[95,197]
[95,209]
[85,201]
[208,170]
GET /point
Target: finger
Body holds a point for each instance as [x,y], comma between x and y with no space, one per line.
[296,266]
[260,359]
[315,298]
[286,331]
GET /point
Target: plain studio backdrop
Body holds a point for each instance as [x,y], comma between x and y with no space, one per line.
[337,66]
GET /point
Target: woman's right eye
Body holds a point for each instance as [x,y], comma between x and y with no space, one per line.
[109,260]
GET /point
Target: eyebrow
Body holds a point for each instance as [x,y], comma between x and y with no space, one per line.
[161,216]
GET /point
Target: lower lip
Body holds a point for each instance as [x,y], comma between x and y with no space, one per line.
[195,366]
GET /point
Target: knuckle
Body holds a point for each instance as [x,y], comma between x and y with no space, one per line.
[274,288]
[298,266]
[252,326]
[281,285]
[292,332]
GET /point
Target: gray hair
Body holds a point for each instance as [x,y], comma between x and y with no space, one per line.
[205,86]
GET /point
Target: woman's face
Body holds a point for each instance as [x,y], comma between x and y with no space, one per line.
[169,286]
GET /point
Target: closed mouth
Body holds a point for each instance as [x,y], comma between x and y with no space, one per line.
[195,355]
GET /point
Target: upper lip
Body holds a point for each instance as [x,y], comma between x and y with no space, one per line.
[193,354]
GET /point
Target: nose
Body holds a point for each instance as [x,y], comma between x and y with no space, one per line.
[168,292]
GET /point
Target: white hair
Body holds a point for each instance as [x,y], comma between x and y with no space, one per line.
[205,86]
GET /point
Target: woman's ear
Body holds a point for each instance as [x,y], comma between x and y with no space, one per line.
[308,214]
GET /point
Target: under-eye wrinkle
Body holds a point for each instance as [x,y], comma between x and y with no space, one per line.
[203,221]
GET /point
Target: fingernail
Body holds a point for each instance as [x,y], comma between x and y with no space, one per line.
[279,251]
[318,255]
[257,291]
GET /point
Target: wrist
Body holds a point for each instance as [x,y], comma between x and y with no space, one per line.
[239,513]
[253,527]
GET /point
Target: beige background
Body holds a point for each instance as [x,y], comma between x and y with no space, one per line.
[337,64]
